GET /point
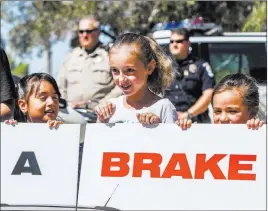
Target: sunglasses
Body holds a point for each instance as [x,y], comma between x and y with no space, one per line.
[177,41]
[88,31]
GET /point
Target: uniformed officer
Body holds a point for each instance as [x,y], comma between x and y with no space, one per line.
[85,79]
[192,89]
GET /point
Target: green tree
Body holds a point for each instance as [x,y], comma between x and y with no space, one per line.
[20,69]
[257,20]
[140,16]
[42,23]
[36,24]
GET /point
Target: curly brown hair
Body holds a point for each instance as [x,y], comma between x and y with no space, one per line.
[148,50]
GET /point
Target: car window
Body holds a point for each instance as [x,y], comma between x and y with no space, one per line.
[248,58]
[227,63]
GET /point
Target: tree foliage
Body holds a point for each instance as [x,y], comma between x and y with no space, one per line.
[20,69]
[36,24]
[257,20]
[43,23]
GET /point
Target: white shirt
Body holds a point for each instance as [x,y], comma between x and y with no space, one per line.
[163,108]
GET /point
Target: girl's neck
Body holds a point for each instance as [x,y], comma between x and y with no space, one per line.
[144,98]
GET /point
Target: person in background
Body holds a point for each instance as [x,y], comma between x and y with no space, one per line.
[141,70]
[38,100]
[85,79]
[192,89]
[8,93]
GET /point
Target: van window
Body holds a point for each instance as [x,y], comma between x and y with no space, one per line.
[248,58]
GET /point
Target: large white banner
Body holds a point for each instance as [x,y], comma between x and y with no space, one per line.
[207,167]
[39,166]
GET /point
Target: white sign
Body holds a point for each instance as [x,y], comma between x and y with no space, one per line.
[207,167]
[39,166]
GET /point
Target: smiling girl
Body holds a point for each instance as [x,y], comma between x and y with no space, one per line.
[142,71]
[235,100]
[38,100]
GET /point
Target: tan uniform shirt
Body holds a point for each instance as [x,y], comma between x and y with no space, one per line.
[86,77]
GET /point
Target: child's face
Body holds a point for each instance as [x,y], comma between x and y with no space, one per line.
[228,108]
[129,72]
[43,105]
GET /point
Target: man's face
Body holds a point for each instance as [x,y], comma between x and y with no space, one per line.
[178,46]
[88,33]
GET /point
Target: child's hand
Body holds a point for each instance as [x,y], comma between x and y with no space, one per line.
[54,124]
[148,118]
[12,122]
[182,115]
[104,112]
[184,124]
[254,124]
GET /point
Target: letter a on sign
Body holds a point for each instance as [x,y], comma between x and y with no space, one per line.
[33,167]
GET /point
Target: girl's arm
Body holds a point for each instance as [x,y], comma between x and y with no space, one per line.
[7,109]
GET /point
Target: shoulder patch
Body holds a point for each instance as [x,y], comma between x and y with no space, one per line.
[208,69]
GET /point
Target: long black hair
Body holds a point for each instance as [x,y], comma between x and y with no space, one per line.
[26,86]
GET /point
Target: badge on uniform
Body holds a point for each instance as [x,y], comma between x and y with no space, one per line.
[192,68]
[185,73]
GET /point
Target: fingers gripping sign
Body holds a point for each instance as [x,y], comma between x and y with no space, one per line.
[54,124]
[11,122]
[148,118]
[104,112]
[184,124]
[254,124]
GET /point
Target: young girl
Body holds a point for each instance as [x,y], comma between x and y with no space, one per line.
[142,71]
[235,100]
[38,100]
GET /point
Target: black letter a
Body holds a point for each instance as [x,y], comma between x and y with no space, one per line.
[33,165]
